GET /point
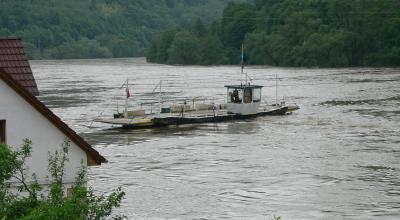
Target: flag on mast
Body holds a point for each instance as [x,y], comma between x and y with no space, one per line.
[128,94]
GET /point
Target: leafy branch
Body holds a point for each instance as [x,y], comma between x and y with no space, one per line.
[82,203]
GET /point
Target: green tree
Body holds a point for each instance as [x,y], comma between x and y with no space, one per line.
[158,52]
[184,49]
[211,51]
[198,28]
[80,49]
[333,33]
[51,26]
[33,203]
[237,21]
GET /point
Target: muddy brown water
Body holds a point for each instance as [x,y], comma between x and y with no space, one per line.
[335,158]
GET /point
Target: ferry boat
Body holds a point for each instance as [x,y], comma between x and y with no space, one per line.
[242,101]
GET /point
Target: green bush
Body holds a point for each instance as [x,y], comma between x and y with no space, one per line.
[33,203]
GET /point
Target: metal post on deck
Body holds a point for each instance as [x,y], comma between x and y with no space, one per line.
[126,100]
[160,101]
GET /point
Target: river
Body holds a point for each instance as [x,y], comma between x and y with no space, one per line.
[338,157]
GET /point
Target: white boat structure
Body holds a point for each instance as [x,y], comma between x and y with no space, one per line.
[242,101]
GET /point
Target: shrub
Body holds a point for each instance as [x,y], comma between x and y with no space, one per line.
[32,202]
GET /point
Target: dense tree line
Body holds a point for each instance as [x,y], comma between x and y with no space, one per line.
[97,28]
[325,33]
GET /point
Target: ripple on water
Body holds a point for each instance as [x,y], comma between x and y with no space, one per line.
[336,158]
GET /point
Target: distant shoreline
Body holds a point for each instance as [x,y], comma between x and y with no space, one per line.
[142,60]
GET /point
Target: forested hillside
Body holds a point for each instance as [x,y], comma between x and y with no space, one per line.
[97,28]
[325,33]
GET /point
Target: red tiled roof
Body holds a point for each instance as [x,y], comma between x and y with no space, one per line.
[94,158]
[14,61]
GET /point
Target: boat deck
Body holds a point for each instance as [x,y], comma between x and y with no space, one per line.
[190,117]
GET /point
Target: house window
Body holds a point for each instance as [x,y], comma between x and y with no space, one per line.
[2,131]
[70,192]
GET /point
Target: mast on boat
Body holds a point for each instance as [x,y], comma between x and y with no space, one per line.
[242,64]
[159,87]
[160,98]
[127,98]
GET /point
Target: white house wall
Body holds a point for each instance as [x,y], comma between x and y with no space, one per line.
[24,121]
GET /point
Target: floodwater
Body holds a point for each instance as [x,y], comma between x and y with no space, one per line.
[338,157]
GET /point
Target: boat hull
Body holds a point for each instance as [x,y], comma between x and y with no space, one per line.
[165,121]
[243,108]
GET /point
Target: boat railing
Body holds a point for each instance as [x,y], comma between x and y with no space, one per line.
[176,106]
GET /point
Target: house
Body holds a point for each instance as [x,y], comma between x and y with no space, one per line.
[22,116]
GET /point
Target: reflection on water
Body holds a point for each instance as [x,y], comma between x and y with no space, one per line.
[336,158]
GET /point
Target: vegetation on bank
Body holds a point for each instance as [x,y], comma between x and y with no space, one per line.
[34,202]
[324,33]
[65,29]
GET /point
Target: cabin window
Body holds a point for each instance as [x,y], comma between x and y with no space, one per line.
[257,95]
[234,95]
[248,95]
[2,131]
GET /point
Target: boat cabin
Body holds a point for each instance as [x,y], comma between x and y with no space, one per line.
[243,99]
